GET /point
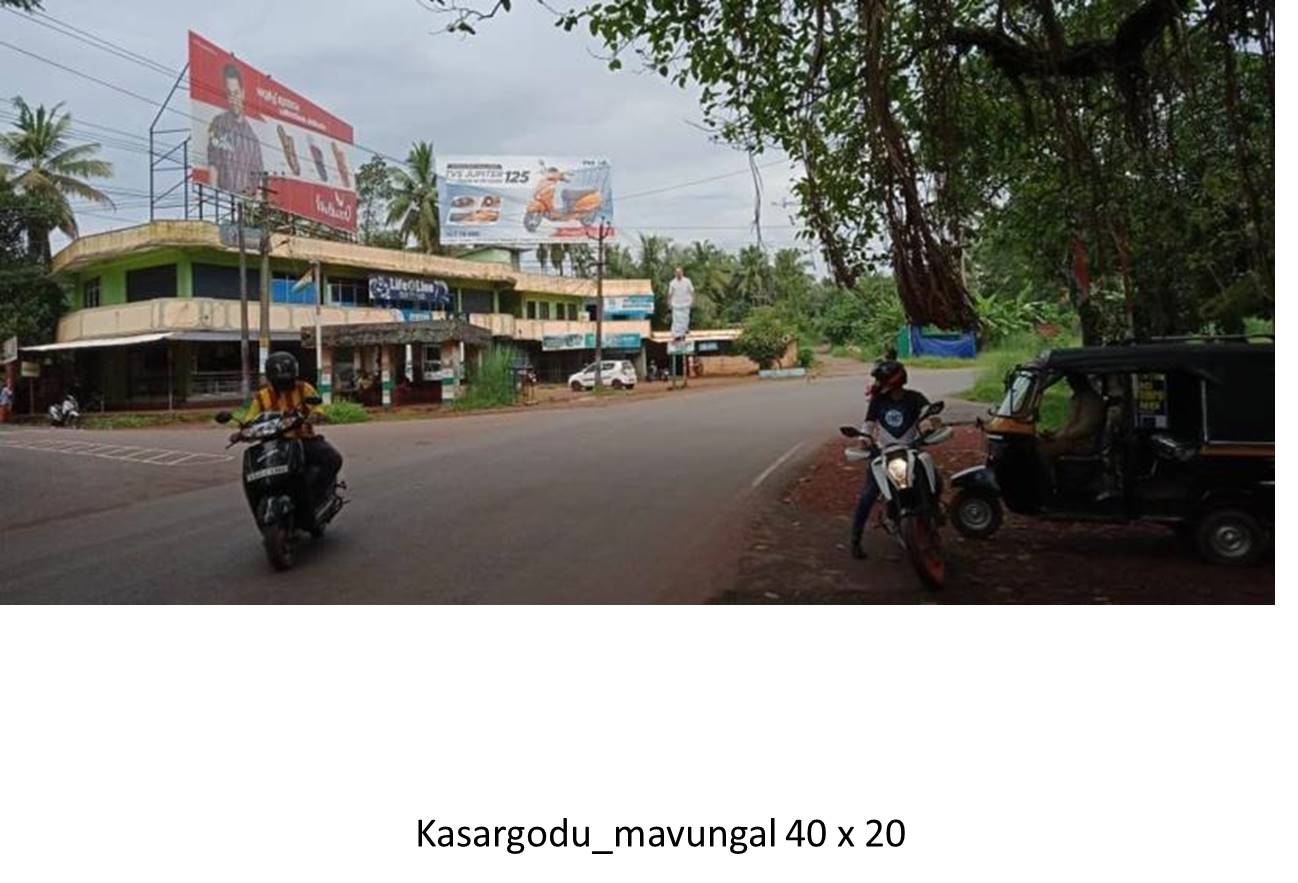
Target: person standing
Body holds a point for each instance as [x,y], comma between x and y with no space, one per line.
[6,400]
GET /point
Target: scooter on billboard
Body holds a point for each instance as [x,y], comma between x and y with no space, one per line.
[582,204]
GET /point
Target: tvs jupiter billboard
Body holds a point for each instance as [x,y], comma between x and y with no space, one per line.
[523,200]
[247,124]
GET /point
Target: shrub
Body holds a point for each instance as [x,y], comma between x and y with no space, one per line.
[765,337]
[490,381]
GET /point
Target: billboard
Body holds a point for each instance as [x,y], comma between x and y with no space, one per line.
[523,200]
[246,124]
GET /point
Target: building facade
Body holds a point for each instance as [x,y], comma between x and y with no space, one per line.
[155,310]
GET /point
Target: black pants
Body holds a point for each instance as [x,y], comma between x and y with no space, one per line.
[322,459]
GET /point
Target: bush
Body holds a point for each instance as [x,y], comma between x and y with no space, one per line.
[490,381]
[343,411]
[765,337]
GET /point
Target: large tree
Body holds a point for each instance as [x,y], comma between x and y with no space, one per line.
[43,163]
[1118,147]
[413,202]
[30,302]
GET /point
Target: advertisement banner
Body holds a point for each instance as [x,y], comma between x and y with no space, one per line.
[622,340]
[247,124]
[425,294]
[630,306]
[523,200]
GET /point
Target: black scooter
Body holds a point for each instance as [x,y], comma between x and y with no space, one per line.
[282,492]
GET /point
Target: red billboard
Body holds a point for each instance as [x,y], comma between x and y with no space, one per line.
[249,128]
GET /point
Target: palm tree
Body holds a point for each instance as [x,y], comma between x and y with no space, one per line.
[413,206]
[46,166]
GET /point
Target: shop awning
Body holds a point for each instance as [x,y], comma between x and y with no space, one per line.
[97,342]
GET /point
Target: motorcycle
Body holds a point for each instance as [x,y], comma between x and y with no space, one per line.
[577,204]
[66,413]
[282,492]
[910,487]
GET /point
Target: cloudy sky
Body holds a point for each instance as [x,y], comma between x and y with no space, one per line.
[519,86]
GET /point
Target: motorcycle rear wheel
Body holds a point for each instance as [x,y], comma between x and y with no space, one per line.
[278,539]
[923,544]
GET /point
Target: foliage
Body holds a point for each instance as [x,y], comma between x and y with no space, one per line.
[765,337]
[374,192]
[413,202]
[343,411]
[45,164]
[490,381]
[30,302]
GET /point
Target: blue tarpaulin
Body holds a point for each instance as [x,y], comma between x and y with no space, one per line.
[952,345]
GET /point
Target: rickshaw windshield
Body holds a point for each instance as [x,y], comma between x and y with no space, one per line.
[1018,394]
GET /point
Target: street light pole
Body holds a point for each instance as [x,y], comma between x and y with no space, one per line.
[599,311]
[245,386]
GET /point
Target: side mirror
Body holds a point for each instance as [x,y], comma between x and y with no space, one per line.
[224,416]
[850,431]
[313,400]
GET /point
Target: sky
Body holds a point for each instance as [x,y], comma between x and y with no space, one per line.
[387,67]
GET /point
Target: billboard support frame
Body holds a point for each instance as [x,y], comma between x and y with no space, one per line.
[161,160]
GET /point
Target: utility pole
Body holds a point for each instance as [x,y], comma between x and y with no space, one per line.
[245,384]
[599,311]
[263,336]
[324,380]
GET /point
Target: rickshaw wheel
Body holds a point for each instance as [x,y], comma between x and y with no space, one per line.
[975,515]
[1229,536]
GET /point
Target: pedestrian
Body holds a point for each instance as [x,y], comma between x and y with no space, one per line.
[6,400]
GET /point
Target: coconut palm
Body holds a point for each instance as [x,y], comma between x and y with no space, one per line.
[44,164]
[413,206]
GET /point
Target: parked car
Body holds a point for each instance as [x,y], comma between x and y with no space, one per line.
[617,373]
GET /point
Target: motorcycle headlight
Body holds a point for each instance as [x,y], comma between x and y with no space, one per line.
[899,472]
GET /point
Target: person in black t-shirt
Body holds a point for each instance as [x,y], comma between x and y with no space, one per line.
[893,417]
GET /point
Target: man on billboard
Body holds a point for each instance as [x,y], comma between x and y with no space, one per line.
[232,146]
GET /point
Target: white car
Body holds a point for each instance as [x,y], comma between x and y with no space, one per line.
[619,374]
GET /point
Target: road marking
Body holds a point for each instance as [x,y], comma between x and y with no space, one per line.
[125,453]
[774,466]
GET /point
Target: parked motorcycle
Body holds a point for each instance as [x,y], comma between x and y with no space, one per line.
[580,205]
[66,413]
[910,488]
[283,494]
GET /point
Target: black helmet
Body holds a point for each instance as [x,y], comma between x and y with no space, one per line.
[281,371]
[889,375]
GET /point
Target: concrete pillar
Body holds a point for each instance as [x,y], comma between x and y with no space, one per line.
[385,375]
[327,374]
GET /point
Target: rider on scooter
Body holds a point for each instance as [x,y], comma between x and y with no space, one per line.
[893,417]
[284,392]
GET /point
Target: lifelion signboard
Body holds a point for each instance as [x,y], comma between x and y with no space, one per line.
[523,200]
[246,125]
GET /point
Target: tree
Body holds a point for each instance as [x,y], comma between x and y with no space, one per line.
[413,203]
[30,301]
[765,337]
[47,166]
[374,191]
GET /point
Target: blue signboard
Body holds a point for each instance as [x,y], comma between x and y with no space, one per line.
[281,292]
[629,306]
[409,292]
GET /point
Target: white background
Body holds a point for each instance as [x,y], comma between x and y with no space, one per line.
[218,744]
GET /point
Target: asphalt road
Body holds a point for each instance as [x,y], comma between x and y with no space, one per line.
[622,502]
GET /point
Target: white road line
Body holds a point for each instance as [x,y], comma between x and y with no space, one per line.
[121,453]
[774,466]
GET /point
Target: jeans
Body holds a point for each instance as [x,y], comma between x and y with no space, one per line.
[864,503]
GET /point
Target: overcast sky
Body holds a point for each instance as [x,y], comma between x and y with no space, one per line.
[520,86]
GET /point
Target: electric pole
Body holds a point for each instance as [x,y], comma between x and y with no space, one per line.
[245,386]
[599,311]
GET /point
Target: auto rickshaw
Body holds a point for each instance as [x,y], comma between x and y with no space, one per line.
[1186,439]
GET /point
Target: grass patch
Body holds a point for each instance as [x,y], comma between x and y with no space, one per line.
[490,381]
[345,412]
[144,419]
[994,364]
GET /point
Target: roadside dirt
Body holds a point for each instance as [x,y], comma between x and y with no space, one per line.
[796,551]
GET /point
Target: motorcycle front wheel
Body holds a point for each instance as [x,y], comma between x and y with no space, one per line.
[278,539]
[923,544]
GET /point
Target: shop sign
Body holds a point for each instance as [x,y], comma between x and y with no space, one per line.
[680,347]
[630,306]
[427,294]
[30,369]
[628,340]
